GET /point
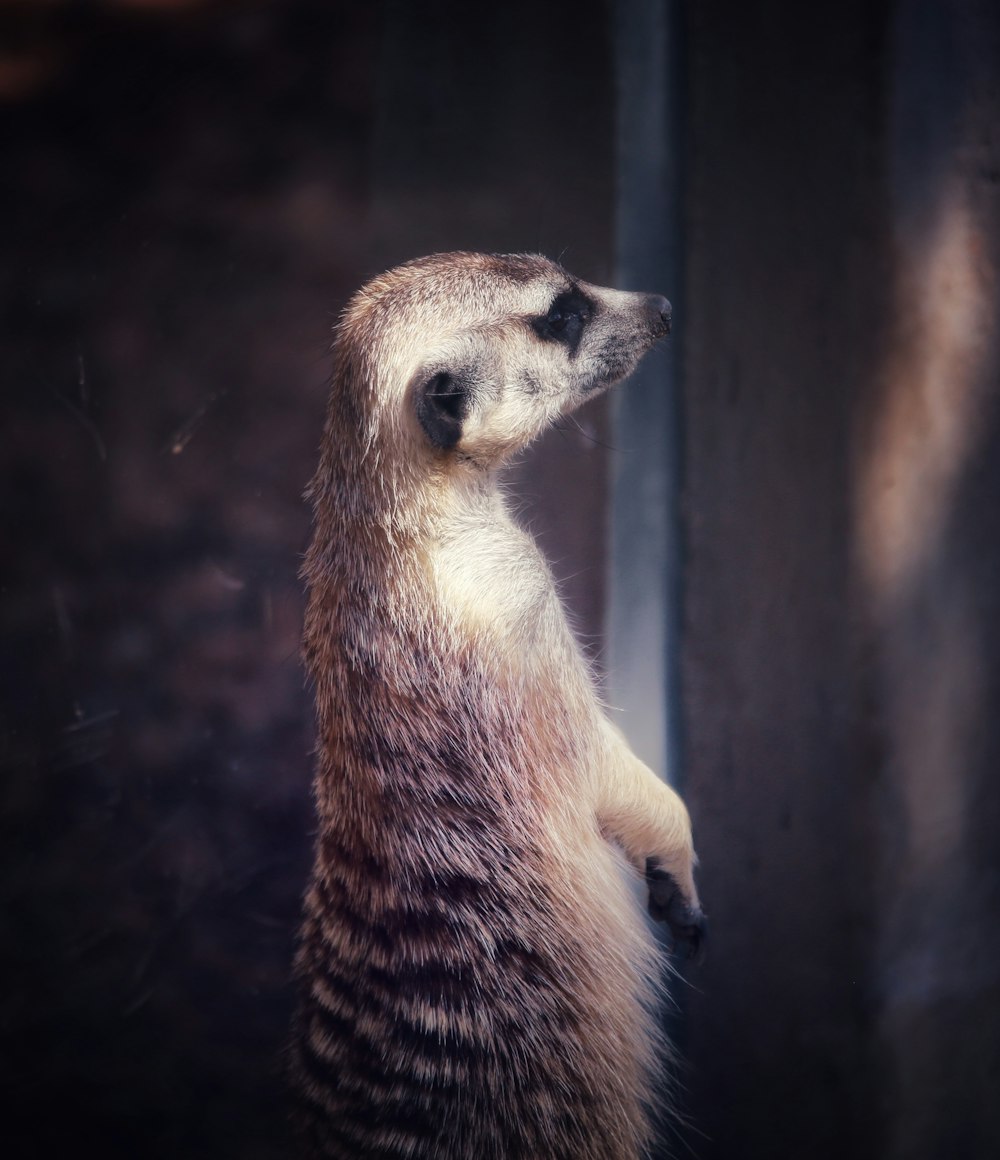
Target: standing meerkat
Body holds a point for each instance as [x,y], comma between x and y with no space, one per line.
[477,979]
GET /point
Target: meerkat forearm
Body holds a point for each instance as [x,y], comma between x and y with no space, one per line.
[648,819]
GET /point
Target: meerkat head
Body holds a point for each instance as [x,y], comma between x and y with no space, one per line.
[470,356]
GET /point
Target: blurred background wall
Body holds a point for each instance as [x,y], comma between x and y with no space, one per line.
[190,190]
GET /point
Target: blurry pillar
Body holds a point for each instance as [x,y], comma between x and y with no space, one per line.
[644,544]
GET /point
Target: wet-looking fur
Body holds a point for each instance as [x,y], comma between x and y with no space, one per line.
[477,980]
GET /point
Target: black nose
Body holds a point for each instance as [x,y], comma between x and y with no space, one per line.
[659,314]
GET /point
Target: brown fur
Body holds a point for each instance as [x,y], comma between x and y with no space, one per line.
[475,975]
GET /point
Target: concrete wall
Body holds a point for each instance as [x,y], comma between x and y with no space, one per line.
[927,532]
[842,511]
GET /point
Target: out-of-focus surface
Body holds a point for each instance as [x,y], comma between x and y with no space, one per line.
[183,211]
[190,192]
[841,654]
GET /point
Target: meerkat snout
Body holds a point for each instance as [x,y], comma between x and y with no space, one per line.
[660,315]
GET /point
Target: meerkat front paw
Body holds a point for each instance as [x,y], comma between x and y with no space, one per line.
[668,903]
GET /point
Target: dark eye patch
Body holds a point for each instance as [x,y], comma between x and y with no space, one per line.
[566,318]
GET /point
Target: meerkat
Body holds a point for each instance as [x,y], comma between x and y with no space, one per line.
[477,978]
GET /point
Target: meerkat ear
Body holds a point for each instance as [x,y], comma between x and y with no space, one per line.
[442,401]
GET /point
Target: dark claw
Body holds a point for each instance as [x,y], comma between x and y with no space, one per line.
[667,904]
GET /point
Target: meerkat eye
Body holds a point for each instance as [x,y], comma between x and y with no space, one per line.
[557,320]
[567,316]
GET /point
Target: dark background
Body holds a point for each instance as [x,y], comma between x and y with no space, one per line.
[190,190]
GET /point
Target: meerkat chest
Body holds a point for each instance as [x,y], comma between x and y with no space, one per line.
[493,583]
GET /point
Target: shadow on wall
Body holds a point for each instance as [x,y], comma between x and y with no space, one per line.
[928,498]
[842,603]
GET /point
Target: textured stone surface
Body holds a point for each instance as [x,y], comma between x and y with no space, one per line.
[191,191]
[841,635]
